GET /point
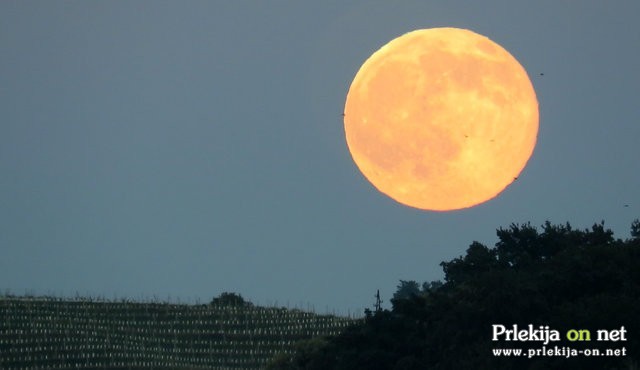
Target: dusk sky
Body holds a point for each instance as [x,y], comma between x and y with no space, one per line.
[185,148]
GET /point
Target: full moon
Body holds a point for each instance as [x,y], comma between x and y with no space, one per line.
[441,119]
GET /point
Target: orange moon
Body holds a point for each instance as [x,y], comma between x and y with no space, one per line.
[441,119]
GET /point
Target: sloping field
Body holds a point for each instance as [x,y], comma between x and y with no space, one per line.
[38,333]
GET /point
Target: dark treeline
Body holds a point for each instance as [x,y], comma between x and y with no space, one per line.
[553,276]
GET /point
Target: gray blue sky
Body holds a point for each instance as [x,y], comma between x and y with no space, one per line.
[185,148]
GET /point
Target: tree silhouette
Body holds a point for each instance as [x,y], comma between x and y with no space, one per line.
[553,276]
[230,299]
[406,289]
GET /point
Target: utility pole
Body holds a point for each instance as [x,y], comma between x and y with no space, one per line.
[378,302]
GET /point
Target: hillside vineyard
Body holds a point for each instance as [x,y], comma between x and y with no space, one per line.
[37,333]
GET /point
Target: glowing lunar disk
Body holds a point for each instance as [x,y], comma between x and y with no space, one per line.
[441,119]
